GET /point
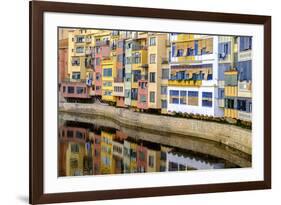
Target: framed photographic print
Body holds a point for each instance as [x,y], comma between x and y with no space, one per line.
[137,102]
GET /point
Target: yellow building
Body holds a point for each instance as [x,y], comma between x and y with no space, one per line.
[79,42]
[74,159]
[139,64]
[107,164]
[156,52]
[108,75]
[153,160]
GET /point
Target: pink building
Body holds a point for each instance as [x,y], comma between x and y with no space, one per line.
[141,158]
[63,58]
[142,94]
[73,134]
[75,90]
[96,153]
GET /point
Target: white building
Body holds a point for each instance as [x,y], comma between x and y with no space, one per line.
[193,84]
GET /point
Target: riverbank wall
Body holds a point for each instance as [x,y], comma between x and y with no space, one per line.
[230,135]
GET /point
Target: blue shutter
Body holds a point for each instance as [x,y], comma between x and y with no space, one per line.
[196,47]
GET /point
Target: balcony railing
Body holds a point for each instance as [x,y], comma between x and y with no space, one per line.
[185,83]
[88,40]
[139,47]
[102,43]
[165,61]
[246,116]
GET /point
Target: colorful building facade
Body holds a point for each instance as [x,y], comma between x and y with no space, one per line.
[160,72]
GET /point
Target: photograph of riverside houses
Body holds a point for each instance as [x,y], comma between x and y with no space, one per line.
[140,102]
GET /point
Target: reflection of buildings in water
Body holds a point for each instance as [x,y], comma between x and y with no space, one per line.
[72,150]
[106,152]
[101,150]
[141,158]
[179,162]
[95,138]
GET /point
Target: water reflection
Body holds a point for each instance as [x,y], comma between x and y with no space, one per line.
[91,149]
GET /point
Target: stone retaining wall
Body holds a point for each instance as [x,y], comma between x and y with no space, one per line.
[230,135]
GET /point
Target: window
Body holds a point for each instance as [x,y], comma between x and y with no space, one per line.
[76,75]
[151,161]
[107,72]
[175,100]
[79,90]
[163,90]
[229,103]
[74,148]
[79,49]
[152,41]
[190,52]
[152,77]
[163,103]
[245,70]
[79,135]
[63,89]
[165,73]
[107,93]
[75,61]
[180,52]
[137,58]
[69,134]
[174,97]
[134,94]
[143,85]
[173,50]
[183,97]
[107,83]
[80,39]
[152,96]
[70,89]
[224,49]
[143,98]
[98,50]
[196,47]
[98,76]
[174,92]
[193,98]
[245,43]
[152,59]
[98,61]
[207,99]
[136,75]
[241,105]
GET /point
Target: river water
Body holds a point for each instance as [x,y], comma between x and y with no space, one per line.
[96,145]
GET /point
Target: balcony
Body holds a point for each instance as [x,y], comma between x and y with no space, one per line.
[185,83]
[244,89]
[88,40]
[138,47]
[165,61]
[246,116]
[102,43]
[89,51]
[118,89]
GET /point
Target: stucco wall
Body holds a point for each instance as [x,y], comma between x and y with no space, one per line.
[230,135]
